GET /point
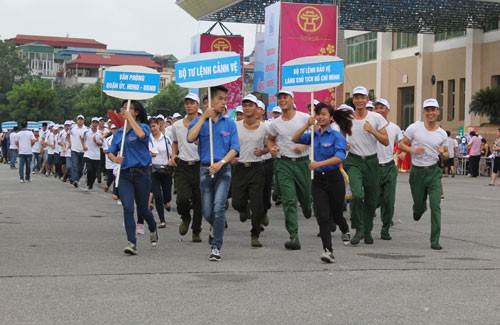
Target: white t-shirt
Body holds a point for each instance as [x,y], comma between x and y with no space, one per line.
[161,150]
[385,154]
[63,137]
[105,145]
[93,151]
[43,134]
[452,144]
[50,143]
[76,134]
[431,140]
[58,147]
[249,140]
[13,139]
[24,138]
[37,145]
[267,123]
[168,131]
[362,142]
[187,151]
[284,131]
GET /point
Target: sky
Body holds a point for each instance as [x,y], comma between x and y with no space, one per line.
[155,26]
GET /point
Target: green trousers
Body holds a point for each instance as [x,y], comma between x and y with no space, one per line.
[294,179]
[364,182]
[427,182]
[387,197]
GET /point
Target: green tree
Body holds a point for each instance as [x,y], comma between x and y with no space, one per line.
[33,100]
[486,102]
[170,98]
[92,101]
[66,99]
[13,69]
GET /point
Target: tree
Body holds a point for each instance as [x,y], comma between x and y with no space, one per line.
[170,98]
[92,101]
[13,69]
[66,99]
[486,102]
[33,100]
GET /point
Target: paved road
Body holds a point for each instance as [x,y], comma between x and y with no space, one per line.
[61,262]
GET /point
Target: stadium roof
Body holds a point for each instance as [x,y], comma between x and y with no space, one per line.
[413,16]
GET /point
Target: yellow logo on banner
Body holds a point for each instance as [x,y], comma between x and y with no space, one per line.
[310,19]
[221,45]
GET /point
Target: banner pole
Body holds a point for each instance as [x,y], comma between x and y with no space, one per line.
[117,179]
[311,151]
[210,131]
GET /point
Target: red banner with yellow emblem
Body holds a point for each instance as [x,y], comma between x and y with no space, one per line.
[308,30]
[215,43]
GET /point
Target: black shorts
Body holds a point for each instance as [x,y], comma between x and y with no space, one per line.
[449,162]
[50,159]
[496,165]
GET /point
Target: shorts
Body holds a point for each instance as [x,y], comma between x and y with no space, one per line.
[449,162]
[496,165]
[50,159]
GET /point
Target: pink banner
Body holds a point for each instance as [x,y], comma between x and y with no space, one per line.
[308,30]
[215,43]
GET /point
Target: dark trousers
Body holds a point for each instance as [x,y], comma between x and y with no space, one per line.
[111,180]
[101,167]
[134,186]
[91,171]
[247,184]
[76,166]
[161,185]
[187,181]
[268,183]
[328,192]
[474,165]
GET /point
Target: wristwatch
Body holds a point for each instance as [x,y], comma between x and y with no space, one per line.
[223,161]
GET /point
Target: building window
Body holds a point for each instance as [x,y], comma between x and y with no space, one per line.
[406,111]
[403,40]
[443,36]
[495,81]
[440,97]
[362,48]
[451,100]
[461,111]
[491,26]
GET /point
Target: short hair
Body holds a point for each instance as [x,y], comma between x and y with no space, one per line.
[214,90]
[24,125]
[448,132]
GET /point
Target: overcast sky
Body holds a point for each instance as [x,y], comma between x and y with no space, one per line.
[154,26]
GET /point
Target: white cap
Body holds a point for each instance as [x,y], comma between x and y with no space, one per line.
[200,111]
[60,126]
[113,126]
[315,102]
[345,107]
[36,130]
[160,116]
[288,92]
[50,125]
[261,105]
[176,115]
[250,98]
[55,127]
[80,116]
[239,109]
[102,118]
[383,102]
[67,122]
[360,91]
[431,102]
[192,97]
[95,119]
[370,104]
[277,109]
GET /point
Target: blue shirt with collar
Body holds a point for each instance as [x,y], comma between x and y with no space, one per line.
[136,151]
[225,138]
[327,145]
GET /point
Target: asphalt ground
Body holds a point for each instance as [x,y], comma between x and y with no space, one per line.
[62,262]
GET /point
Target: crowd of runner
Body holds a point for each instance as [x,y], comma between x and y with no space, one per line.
[253,160]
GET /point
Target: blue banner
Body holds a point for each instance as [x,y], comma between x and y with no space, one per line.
[136,82]
[211,69]
[312,74]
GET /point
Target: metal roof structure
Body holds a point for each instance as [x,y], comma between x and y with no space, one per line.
[412,16]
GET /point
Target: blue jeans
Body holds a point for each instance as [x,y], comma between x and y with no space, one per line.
[77,166]
[135,186]
[213,200]
[36,161]
[12,157]
[25,162]
[68,167]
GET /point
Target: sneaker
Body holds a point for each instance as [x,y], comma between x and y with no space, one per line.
[131,249]
[356,238]
[196,238]
[416,217]
[385,236]
[293,244]
[436,247]
[327,256]
[87,189]
[162,224]
[28,180]
[346,238]
[184,226]
[119,202]
[21,181]
[368,239]
[255,242]
[139,229]
[215,255]
[154,238]
[75,184]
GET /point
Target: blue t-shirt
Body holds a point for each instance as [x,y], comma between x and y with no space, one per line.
[225,137]
[327,145]
[136,151]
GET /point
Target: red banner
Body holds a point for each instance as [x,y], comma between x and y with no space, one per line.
[308,30]
[215,43]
